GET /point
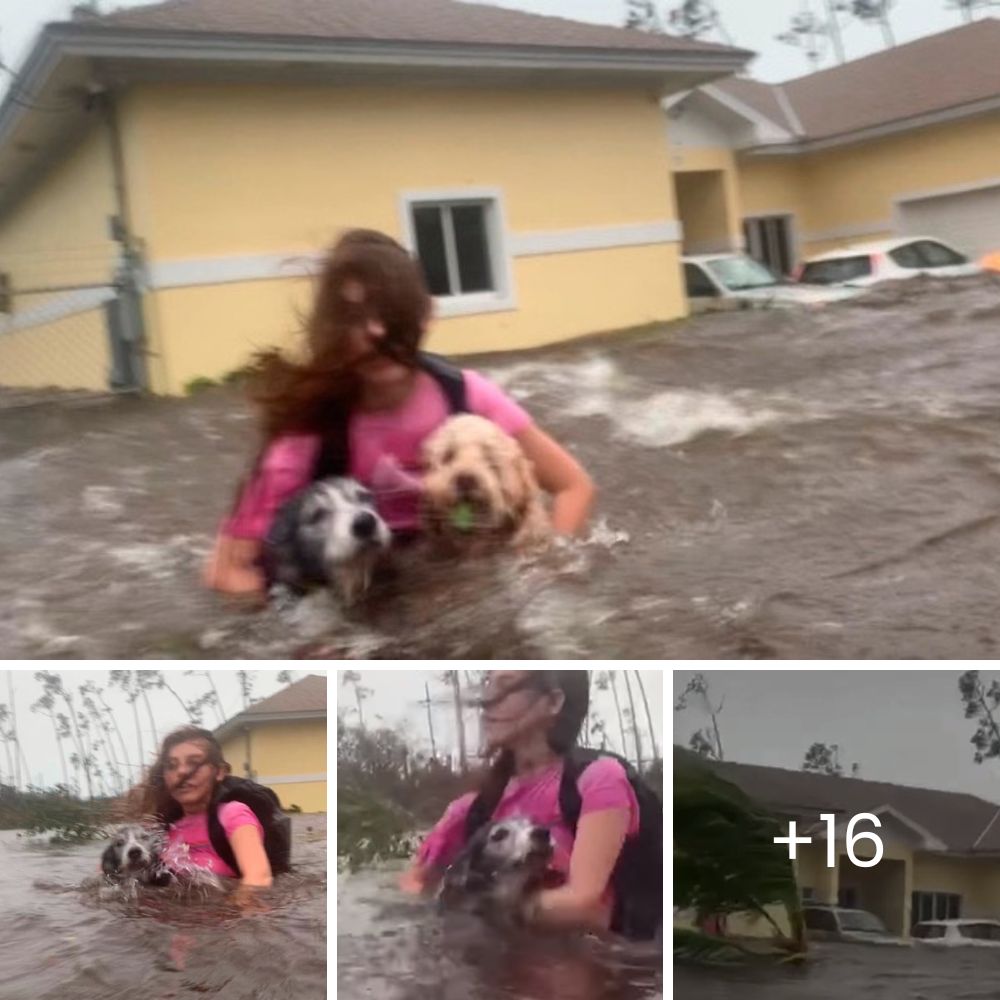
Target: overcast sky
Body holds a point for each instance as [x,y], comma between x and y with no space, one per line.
[900,726]
[36,733]
[396,696]
[752,24]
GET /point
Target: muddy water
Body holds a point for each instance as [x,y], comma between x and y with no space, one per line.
[845,972]
[66,935]
[822,483]
[393,948]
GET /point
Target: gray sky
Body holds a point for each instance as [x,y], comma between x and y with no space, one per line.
[903,726]
[751,24]
[396,695]
[35,729]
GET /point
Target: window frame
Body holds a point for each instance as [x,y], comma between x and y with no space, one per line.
[503,298]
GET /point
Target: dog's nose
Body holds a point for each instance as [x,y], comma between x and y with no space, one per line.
[364,525]
[134,853]
[465,484]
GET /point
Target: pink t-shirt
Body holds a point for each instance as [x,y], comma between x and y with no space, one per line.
[192,832]
[385,451]
[603,785]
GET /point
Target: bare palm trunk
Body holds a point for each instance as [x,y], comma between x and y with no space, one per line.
[62,752]
[649,717]
[887,34]
[138,733]
[618,710]
[430,720]
[149,712]
[13,728]
[635,724]
[126,763]
[459,721]
[183,704]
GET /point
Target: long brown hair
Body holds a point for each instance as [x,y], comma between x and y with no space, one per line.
[156,800]
[561,737]
[307,395]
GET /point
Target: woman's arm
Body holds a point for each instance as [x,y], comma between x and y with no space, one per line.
[419,879]
[250,856]
[232,567]
[599,839]
[561,475]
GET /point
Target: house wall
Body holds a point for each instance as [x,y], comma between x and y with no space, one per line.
[845,195]
[57,235]
[976,880]
[221,172]
[288,757]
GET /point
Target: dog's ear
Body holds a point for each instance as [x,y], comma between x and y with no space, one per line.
[109,860]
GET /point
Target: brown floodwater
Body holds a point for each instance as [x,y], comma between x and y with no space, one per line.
[394,948]
[68,935]
[847,972]
[773,483]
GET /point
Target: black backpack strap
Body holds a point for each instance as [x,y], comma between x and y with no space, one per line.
[449,377]
[266,806]
[334,456]
[219,840]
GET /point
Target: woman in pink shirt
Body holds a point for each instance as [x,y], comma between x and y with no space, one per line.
[362,388]
[179,792]
[531,720]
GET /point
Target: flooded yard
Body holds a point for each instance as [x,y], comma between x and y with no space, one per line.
[68,935]
[844,972]
[821,483]
[390,947]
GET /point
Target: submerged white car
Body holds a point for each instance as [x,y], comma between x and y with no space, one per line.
[884,260]
[734,280]
[840,923]
[965,933]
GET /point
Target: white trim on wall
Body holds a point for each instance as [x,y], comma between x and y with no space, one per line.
[290,779]
[217,270]
[61,308]
[595,238]
[941,192]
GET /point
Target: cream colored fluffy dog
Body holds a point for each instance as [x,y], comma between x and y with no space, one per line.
[480,489]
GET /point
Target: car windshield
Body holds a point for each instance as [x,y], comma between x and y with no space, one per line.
[741,273]
[858,920]
[836,270]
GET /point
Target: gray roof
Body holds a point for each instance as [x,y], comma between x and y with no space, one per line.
[395,20]
[955,818]
[303,699]
[946,71]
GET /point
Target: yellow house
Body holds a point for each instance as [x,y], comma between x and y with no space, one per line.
[170,174]
[902,142]
[281,742]
[941,849]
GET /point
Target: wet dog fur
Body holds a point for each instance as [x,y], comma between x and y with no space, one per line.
[328,535]
[135,853]
[470,462]
[501,864]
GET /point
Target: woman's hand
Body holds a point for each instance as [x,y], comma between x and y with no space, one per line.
[579,903]
[251,857]
[562,476]
[232,567]
[418,880]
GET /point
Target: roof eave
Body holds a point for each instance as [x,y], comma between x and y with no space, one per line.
[246,720]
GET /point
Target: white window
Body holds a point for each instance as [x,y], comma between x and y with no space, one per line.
[459,237]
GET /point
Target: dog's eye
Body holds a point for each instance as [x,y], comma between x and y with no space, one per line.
[119,843]
[315,516]
[498,835]
[366,498]
[448,457]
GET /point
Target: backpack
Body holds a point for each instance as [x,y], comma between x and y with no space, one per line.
[334,457]
[637,877]
[267,808]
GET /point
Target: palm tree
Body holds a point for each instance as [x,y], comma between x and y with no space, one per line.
[360,693]
[212,697]
[451,677]
[427,702]
[46,705]
[724,854]
[649,717]
[8,737]
[53,682]
[609,679]
[113,720]
[18,753]
[145,680]
[635,724]
[125,679]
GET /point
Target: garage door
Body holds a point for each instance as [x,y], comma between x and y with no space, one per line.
[969,221]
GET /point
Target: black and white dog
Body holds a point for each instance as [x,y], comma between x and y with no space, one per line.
[328,535]
[135,853]
[500,865]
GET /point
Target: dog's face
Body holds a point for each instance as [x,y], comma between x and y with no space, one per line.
[501,862]
[325,533]
[478,483]
[134,851]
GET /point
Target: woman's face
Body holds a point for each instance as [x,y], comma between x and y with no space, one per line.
[364,330]
[513,711]
[189,776]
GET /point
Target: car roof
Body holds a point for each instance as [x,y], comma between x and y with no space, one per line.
[874,246]
[702,258]
[961,922]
